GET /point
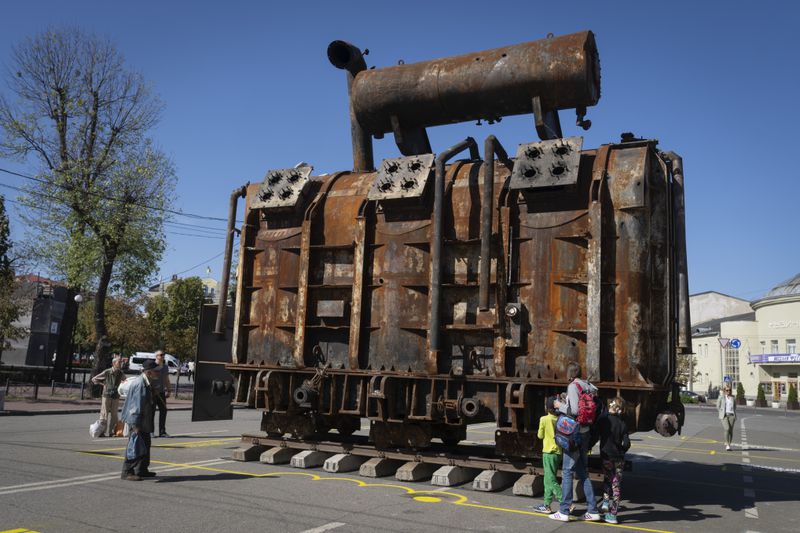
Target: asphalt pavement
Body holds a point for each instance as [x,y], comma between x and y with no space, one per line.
[54,478]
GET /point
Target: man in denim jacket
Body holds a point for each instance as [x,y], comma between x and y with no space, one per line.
[575,463]
[137,412]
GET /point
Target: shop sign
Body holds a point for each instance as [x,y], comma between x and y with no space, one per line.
[776,358]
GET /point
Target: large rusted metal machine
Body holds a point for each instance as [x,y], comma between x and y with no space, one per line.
[450,287]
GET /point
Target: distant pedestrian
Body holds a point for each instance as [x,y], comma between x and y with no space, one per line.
[137,412]
[726,406]
[191,370]
[551,456]
[161,389]
[109,406]
[614,442]
[576,462]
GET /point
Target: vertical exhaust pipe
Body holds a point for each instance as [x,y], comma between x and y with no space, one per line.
[679,212]
[491,147]
[345,56]
[436,248]
[222,306]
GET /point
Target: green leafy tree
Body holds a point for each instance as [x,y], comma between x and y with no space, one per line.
[10,307]
[686,366]
[129,330]
[96,207]
[740,393]
[176,314]
[792,398]
[760,397]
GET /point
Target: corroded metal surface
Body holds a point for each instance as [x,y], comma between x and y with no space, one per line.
[564,72]
[426,299]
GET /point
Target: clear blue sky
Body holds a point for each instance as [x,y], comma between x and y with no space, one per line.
[248,87]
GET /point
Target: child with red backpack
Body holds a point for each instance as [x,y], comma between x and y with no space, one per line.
[580,406]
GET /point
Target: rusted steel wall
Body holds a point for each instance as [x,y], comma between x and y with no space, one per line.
[345,280]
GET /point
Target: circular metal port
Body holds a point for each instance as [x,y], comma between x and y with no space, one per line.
[470,407]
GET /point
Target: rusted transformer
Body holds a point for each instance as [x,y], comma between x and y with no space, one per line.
[428,295]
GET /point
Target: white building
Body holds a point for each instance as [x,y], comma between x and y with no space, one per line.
[752,348]
[209,288]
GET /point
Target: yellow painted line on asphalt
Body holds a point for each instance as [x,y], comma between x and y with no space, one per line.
[189,444]
[19,530]
[697,451]
[423,496]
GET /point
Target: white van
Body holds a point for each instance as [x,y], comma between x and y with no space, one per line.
[135,364]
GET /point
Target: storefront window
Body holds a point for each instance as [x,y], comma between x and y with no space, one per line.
[773,346]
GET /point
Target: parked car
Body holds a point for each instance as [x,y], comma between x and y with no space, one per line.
[138,358]
[699,398]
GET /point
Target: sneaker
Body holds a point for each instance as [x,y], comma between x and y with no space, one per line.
[610,518]
[542,508]
[605,506]
[591,517]
[728,447]
[148,474]
[132,477]
[559,516]
[164,435]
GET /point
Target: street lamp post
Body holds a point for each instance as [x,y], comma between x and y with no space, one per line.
[78,299]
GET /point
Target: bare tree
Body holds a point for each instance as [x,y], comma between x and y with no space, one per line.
[96,209]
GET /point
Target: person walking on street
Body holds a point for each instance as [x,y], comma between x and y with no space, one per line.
[726,406]
[614,442]
[161,389]
[109,406]
[575,462]
[137,412]
[551,455]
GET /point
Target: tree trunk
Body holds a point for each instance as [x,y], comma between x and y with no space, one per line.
[102,355]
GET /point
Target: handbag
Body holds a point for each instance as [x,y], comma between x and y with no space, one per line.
[136,447]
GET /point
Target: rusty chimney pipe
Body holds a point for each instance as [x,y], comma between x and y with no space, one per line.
[345,56]
[222,306]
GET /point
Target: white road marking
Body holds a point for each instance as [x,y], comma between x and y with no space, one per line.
[749,493]
[325,527]
[82,480]
[751,512]
[774,468]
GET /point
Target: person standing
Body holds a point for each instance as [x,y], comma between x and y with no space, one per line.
[161,389]
[614,442]
[551,455]
[137,412]
[109,406]
[576,462]
[726,406]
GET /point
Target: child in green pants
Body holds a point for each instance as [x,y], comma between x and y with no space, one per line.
[551,457]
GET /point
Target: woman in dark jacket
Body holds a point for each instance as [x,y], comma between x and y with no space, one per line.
[614,442]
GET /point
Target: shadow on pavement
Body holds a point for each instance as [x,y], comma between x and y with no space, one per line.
[677,491]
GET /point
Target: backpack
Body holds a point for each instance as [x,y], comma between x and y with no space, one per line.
[568,433]
[587,406]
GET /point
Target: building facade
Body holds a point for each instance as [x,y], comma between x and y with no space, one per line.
[752,348]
